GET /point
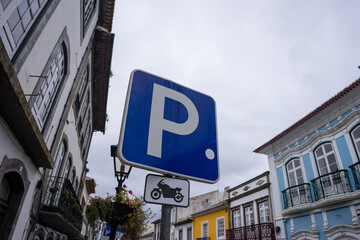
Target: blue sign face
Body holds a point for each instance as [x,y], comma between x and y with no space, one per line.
[170,129]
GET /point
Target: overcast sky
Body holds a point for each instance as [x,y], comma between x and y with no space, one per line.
[267,64]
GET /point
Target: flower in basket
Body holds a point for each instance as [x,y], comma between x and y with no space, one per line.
[124,196]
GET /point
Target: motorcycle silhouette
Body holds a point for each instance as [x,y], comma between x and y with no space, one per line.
[167,192]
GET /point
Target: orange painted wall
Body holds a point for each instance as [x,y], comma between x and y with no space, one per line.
[211,218]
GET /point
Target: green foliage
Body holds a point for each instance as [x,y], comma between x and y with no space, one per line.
[136,224]
[101,209]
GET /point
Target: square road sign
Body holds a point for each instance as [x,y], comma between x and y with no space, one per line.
[168,128]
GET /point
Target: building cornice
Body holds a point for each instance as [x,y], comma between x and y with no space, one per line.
[249,181]
[215,208]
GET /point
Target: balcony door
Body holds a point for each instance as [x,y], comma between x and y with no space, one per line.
[295,178]
[236,218]
[327,164]
[326,160]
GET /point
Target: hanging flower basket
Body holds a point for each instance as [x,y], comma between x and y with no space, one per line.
[119,213]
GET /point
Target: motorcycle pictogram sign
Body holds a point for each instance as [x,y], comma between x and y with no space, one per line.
[167,190]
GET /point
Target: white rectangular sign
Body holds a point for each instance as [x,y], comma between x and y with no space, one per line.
[167,190]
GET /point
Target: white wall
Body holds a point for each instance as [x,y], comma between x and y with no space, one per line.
[10,148]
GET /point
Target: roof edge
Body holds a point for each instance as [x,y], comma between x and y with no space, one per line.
[321,108]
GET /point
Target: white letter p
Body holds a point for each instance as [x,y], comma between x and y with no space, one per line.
[158,123]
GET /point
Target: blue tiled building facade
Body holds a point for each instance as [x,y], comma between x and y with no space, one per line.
[315,172]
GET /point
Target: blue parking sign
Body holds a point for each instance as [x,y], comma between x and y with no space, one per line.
[170,129]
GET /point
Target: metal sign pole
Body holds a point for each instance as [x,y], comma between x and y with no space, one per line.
[165,222]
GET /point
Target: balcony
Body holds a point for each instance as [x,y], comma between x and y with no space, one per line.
[355,169]
[262,231]
[203,238]
[331,184]
[60,207]
[297,195]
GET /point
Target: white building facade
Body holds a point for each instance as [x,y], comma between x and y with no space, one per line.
[315,169]
[54,67]
[250,212]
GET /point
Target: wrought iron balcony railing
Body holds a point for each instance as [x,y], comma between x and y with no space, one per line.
[331,184]
[355,169]
[262,231]
[59,197]
[297,195]
[203,238]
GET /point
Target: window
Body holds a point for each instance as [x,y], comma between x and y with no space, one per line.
[72,177]
[49,86]
[88,10]
[325,158]
[355,135]
[204,229]
[19,22]
[83,84]
[181,234]
[249,215]
[67,168]
[236,218]
[220,228]
[12,192]
[189,234]
[294,172]
[59,157]
[264,213]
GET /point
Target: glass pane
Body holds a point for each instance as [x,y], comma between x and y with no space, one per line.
[290,165]
[26,19]
[298,173]
[319,152]
[356,133]
[358,145]
[300,180]
[34,7]
[328,147]
[321,162]
[333,168]
[296,162]
[323,170]
[291,176]
[23,6]
[14,19]
[331,159]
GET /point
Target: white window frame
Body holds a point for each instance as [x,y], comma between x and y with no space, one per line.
[181,234]
[49,86]
[189,230]
[264,212]
[60,156]
[356,140]
[249,215]
[325,156]
[298,178]
[236,218]
[24,14]
[203,234]
[218,228]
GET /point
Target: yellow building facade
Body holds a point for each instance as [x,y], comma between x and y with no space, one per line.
[211,223]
